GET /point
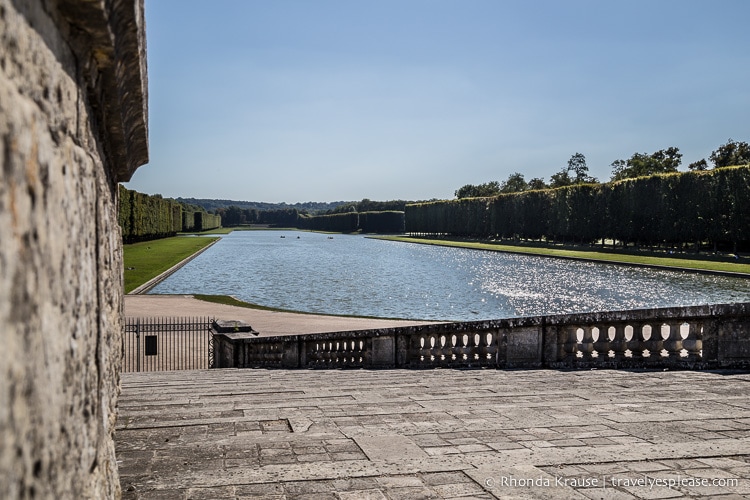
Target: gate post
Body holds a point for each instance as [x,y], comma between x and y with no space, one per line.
[228,336]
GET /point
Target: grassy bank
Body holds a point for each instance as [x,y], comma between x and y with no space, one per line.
[148,259]
[676,262]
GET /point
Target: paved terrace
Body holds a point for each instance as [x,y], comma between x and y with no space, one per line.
[397,434]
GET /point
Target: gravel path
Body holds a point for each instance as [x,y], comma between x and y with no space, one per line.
[268,323]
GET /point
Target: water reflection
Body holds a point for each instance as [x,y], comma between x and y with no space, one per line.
[357,275]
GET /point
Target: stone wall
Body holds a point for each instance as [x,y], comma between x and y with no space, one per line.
[72,125]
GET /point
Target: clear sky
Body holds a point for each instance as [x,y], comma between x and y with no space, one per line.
[328,100]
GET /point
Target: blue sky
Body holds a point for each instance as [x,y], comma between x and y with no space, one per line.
[327,100]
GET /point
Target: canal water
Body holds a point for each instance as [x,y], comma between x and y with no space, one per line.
[352,274]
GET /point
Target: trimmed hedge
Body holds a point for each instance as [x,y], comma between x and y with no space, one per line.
[703,207]
[389,221]
[203,221]
[337,223]
[143,217]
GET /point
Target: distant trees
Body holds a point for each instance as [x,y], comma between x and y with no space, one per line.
[514,184]
[663,161]
[367,205]
[579,170]
[482,190]
[730,154]
[235,216]
[698,165]
[537,183]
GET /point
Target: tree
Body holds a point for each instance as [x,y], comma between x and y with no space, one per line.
[642,164]
[537,183]
[698,165]
[731,153]
[482,190]
[560,179]
[514,184]
[577,165]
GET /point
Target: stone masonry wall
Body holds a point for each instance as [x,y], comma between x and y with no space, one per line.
[72,124]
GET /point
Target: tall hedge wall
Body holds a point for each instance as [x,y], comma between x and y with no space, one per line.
[337,223]
[389,221]
[708,207]
[203,221]
[349,222]
[144,217]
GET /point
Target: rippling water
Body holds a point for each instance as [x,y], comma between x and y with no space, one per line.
[357,275]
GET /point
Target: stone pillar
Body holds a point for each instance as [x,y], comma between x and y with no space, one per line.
[227,338]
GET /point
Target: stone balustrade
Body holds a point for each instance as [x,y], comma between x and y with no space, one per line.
[698,337]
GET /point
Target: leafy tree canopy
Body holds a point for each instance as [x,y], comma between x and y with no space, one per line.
[491,188]
[577,172]
[537,183]
[731,153]
[663,161]
[698,165]
[514,184]
[560,179]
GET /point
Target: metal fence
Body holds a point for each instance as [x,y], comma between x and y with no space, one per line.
[162,344]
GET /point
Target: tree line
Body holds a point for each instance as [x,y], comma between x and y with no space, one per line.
[366,216]
[699,208]
[344,221]
[576,172]
[147,217]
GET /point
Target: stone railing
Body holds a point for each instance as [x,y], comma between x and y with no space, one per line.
[699,337]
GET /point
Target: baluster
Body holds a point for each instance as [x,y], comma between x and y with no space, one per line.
[694,342]
[673,344]
[619,344]
[602,344]
[454,355]
[465,349]
[568,344]
[443,350]
[420,348]
[637,342]
[434,354]
[489,347]
[654,344]
[586,347]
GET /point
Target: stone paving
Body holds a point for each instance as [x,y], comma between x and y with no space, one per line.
[397,434]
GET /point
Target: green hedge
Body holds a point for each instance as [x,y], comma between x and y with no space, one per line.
[203,221]
[703,207]
[337,223]
[144,217]
[389,221]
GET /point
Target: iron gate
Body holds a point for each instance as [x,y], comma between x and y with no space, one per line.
[161,344]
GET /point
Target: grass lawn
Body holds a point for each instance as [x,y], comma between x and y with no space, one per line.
[148,259]
[608,256]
